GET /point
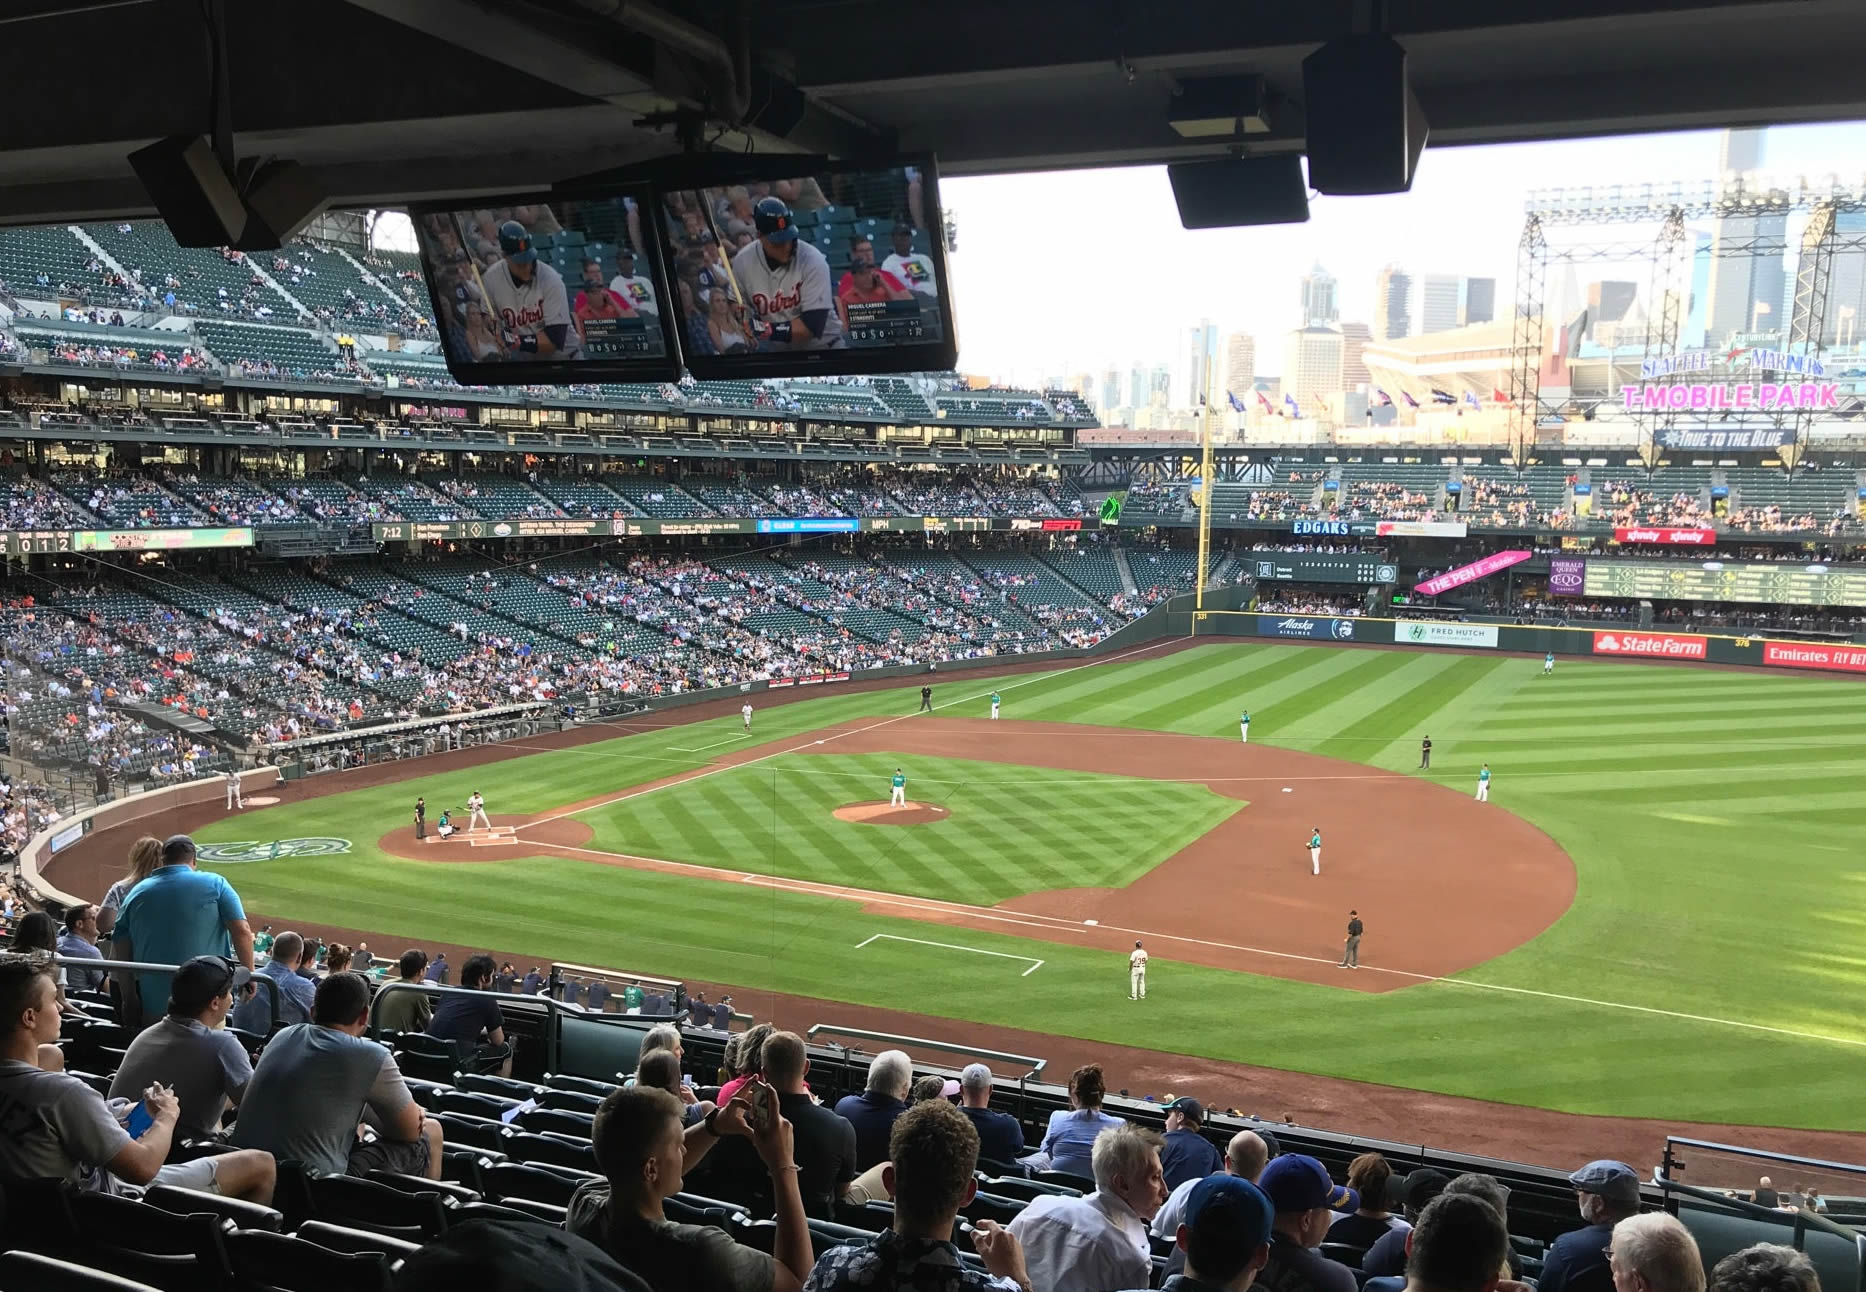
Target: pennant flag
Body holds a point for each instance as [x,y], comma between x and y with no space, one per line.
[1443,396]
[1295,410]
[1499,396]
[1386,400]
[1410,401]
[1471,399]
[1321,403]
[1237,405]
[1268,407]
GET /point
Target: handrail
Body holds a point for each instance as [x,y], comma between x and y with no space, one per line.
[1737,1150]
[1803,1218]
[1036,1064]
[144,966]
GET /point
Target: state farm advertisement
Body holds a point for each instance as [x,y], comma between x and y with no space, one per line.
[1471,573]
[1650,645]
[1676,537]
[1847,659]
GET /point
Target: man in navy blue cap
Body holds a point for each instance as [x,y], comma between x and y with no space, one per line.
[1224,1238]
[1606,1192]
[1305,1200]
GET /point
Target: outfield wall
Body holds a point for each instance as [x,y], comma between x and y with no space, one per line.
[1604,643]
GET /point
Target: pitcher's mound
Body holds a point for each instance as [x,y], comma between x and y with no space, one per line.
[883,814]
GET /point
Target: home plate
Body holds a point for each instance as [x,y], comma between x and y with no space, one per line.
[493,838]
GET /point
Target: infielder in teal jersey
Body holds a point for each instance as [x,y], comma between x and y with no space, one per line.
[994,706]
[1315,849]
[897,797]
[1483,784]
[1244,725]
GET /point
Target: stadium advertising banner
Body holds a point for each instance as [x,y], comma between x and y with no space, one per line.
[1471,573]
[1736,441]
[1846,659]
[1567,576]
[1676,537]
[809,525]
[1297,567]
[651,527]
[36,542]
[1743,378]
[1436,632]
[1419,528]
[1749,581]
[1651,645]
[1310,627]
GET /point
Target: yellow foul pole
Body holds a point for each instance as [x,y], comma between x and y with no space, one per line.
[1204,494]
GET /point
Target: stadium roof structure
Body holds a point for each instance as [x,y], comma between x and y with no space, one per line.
[389,100]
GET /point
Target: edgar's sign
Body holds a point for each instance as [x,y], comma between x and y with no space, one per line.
[233,854]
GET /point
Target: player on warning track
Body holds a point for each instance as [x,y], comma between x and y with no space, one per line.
[745,716]
[1137,972]
[1548,663]
[233,789]
[1244,726]
[476,811]
[1315,849]
[528,300]
[897,796]
[994,706]
[1483,784]
[787,285]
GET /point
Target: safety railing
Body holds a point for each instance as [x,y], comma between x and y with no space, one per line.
[1034,1064]
[153,1010]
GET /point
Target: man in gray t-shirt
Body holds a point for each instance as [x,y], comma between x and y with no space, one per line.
[190,1051]
[53,1126]
[316,1081]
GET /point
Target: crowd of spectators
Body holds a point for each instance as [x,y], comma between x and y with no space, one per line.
[1296,599]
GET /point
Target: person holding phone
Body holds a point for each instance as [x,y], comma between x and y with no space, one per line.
[60,1128]
[190,1049]
[645,1154]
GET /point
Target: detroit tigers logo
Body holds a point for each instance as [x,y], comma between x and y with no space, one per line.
[772,304]
[233,854]
[523,316]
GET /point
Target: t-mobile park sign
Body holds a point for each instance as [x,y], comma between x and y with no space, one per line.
[1777,380]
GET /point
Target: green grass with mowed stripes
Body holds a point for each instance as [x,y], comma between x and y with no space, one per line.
[1709,969]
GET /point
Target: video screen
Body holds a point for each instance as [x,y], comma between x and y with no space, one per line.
[559,289]
[821,271]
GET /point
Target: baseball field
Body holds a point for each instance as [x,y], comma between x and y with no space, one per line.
[1656,915]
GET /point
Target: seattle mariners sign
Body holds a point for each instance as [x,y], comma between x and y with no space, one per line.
[233,854]
[1774,380]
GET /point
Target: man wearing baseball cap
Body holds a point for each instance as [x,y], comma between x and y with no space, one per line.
[1188,1155]
[1224,1238]
[1606,1192]
[190,1051]
[176,914]
[1305,1200]
[1388,1254]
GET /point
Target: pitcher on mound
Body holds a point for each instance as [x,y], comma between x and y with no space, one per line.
[897,796]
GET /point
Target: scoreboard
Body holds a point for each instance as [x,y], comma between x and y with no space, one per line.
[1751,581]
[1302,567]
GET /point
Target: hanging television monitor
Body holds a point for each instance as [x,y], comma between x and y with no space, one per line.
[548,290]
[830,269]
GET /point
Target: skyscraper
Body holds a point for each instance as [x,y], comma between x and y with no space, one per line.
[1159,385]
[1192,368]
[1240,363]
[1846,291]
[1392,304]
[1312,366]
[1318,298]
[1110,389]
[1355,337]
[1439,296]
[1748,281]
[1477,301]
[1608,301]
[1139,387]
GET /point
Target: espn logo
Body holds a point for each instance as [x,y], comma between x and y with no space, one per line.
[1651,645]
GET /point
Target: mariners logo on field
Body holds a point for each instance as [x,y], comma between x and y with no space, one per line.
[1343,629]
[233,854]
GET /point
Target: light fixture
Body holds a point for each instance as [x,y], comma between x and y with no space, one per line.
[1219,107]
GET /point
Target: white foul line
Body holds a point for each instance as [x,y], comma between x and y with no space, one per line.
[694,749]
[1035,964]
[701,773]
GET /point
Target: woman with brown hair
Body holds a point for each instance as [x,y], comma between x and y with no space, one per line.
[1071,1137]
[337,958]
[1370,1175]
[145,860]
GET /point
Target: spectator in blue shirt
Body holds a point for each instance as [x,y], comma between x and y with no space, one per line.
[874,1111]
[1000,1138]
[296,992]
[1188,1155]
[173,916]
[80,939]
[1070,1140]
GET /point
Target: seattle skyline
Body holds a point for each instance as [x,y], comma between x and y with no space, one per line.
[1132,281]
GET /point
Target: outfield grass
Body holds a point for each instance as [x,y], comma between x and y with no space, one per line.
[1011,830]
[1711,816]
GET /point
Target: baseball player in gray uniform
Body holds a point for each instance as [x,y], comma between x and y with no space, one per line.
[787,285]
[529,304]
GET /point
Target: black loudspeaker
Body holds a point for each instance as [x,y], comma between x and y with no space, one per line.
[204,206]
[1365,129]
[1247,190]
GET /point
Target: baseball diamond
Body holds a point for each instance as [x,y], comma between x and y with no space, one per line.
[1609,893]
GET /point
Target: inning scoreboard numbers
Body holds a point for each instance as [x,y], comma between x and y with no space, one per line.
[1726,581]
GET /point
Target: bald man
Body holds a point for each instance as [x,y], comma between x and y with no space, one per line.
[1245,1157]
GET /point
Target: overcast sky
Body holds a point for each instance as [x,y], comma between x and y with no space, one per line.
[1069,272]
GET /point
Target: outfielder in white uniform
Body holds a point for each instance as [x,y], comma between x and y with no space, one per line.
[476,808]
[745,715]
[1483,784]
[897,794]
[233,789]
[786,284]
[530,305]
[994,706]
[1137,972]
